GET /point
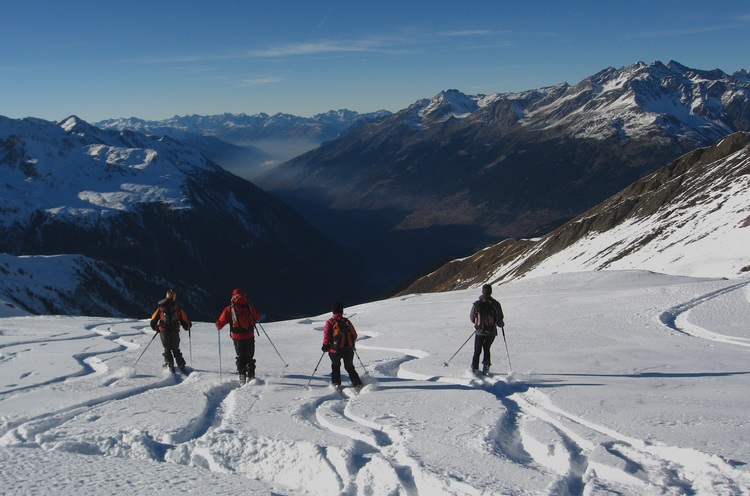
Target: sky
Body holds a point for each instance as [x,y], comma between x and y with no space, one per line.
[609,382]
[156,59]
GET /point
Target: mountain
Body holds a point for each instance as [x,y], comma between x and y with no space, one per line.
[448,175]
[248,145]
[689,218]
[143,212]
[518,164]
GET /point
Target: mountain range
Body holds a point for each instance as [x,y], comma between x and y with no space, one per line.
[103,219]
[520,163]
[455,173]
[141,213]
[248,145]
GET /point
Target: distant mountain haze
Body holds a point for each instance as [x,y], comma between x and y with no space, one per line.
[248,145]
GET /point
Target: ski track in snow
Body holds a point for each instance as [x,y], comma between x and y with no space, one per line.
[678,317]
[583,457]
[617,462]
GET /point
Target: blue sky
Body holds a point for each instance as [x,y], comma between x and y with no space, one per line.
[154,59]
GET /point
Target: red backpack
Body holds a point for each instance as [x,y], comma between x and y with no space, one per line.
[242,317]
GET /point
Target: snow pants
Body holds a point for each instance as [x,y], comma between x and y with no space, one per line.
[170,340]
[482,343]
[245,350]
[348,358]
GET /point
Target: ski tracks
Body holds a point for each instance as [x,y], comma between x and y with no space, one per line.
[355,452]
[678,317]
[581,456]
[591,458]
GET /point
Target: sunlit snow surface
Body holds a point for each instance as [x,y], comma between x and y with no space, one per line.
[623,383]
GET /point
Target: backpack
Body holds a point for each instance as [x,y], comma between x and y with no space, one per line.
[242,318]
[343,339]
[485,317]
[168,317]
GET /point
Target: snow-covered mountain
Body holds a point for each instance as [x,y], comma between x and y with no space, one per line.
[144,212]
[451,174]
[671,102]
[690,218]
[516,164]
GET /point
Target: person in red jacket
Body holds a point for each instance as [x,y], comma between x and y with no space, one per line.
[241,316]
[339,336]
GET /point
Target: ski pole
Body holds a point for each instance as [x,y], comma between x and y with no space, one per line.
[360,362]
[307,386]
[218,334]
[190,345]
[274,346]
[144,349]
[506,349]
[456,353]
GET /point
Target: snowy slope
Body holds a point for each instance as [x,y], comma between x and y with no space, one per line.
[624,383]
[702,230]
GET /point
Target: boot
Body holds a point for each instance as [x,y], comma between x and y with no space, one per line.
[168,361]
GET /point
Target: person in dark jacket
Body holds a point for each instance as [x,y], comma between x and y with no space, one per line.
[166,320]
[241,316]
[339,336]
[485,331]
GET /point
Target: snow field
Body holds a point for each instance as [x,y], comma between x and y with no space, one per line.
[623,383]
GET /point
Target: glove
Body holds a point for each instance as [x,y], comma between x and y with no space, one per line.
[324,347]
[501,323]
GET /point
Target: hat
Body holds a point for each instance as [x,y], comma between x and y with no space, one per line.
[237,293]
[338,308]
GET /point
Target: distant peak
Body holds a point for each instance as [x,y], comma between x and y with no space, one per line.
[71,123]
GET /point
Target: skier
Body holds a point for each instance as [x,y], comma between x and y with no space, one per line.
[166,320]
[339,336]
[486,314]
[241,316]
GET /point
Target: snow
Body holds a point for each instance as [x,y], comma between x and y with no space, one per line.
[623,382]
